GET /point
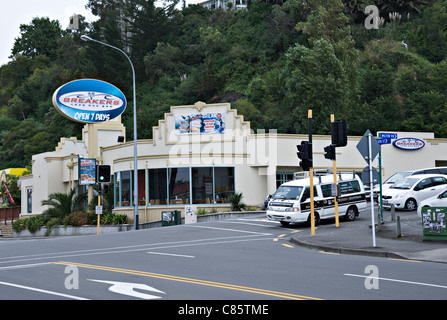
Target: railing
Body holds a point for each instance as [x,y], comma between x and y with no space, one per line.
[9,214]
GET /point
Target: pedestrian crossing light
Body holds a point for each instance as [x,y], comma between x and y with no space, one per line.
[103,173]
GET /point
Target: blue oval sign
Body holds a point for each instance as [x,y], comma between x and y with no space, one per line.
[89,101]
[409,144]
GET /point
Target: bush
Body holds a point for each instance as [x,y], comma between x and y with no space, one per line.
[34,223]
[19,225]
[76,219]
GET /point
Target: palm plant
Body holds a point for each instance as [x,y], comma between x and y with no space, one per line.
[62,204]
[236,202]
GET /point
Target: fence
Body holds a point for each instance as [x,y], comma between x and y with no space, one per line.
[9,214]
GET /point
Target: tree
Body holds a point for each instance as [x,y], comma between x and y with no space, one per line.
[148,25]
[38,38]
[317,81]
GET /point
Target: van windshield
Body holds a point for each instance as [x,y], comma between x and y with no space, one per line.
[406,183]
[288,193]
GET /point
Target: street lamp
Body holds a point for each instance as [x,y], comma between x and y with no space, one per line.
[135,159]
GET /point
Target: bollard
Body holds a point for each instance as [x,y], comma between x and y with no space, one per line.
[398,231]
[393,213]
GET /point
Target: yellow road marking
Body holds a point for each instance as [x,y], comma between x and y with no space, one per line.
[282,235]
[406,260]
[287,245]
[190,280]
[326,252]
[296,231]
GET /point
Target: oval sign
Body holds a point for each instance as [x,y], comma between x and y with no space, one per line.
[89,101]
[409,144]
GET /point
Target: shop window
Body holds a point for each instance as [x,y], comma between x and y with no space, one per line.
[223,184]
[141,188]
[179,185]
[29,200]
[125,196]
[202,185]
[158,187]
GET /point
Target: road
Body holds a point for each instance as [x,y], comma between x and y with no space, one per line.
[240,259]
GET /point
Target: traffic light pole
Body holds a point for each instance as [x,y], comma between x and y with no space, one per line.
[334,169]
[311,175]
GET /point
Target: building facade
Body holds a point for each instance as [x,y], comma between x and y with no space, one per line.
[200,155]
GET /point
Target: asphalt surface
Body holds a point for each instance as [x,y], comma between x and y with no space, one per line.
[356,237]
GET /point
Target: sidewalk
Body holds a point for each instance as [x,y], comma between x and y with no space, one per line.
[357,238]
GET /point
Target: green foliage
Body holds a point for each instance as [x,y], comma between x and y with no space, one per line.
[276,58]
[61,204]
[236,202]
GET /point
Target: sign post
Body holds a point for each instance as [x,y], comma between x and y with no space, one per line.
[89,101]
[369,148]
[384,138]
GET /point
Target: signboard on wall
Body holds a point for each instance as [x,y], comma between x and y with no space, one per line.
[409,143]
[87,171]
[89,101]
[200,123]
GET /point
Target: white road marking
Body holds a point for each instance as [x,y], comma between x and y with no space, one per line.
[134,248]
[171,254]
[396,280]
[234,230]
[24,266]
[42,291]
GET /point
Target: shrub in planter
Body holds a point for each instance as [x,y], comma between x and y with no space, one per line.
[76,219]
[34,223]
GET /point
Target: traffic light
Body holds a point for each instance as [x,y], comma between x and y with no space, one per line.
[329,152]
[305,154]
[339,133]
[103,173]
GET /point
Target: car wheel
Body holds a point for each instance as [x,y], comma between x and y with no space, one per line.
[316,219]
[351,213]
[411,204]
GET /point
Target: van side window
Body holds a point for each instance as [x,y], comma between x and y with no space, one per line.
[349,186]
[306,194]
[327,190]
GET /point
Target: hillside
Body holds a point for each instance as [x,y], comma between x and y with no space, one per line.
[273,62]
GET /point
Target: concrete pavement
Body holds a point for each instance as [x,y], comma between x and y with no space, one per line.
[357,238]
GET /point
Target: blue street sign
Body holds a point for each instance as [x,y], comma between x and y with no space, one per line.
[383,141]
[388,135]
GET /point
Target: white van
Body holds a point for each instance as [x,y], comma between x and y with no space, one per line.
[291,202]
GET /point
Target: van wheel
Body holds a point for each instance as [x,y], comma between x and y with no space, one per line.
[316,219]
[351,213]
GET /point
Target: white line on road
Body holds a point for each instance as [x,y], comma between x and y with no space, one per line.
[396,280]
[24,266]
[42,291]
[225,229]
[133,248]
[171,254]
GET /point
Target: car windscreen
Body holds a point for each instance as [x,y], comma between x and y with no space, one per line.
[397,176]
[288,193]
[406,183]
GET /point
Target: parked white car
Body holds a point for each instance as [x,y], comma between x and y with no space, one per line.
[403,174]
[410,191]
[440,200]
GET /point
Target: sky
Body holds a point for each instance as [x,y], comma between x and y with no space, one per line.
[13,13]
